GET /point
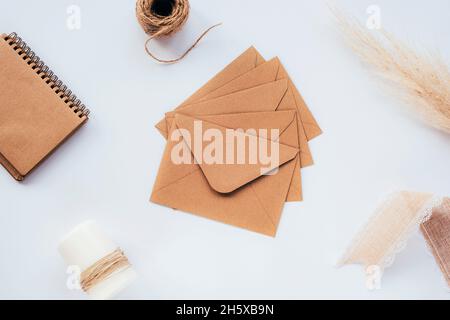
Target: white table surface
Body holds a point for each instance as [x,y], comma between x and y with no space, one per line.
[106,171]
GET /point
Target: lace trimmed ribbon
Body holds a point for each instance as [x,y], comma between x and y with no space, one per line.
[388,231]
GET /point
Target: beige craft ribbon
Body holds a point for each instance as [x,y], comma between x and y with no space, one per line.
[163,18]
[388,230]
[103,269]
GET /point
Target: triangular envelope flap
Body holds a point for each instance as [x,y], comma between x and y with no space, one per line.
[253,120]
[223,177]
[265,97]
[267,72]
[242,64]
[247,61]
[284,121]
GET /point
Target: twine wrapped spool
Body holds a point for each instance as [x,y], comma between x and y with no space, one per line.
[160,18]
[104,268]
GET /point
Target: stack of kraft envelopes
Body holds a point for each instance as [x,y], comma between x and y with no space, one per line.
[236,147]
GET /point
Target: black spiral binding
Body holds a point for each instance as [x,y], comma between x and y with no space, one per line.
[47,75]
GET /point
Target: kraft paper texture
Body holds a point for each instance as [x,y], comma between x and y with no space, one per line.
[34,119]
[247,71]
[249,93]
[235,194]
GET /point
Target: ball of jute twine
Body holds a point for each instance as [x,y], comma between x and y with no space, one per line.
[163,18]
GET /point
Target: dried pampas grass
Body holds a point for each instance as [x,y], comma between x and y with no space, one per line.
[424,80]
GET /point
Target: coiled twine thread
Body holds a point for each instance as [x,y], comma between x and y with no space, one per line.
[163,18]
[103,269]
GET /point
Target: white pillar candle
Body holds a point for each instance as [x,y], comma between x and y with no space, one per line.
[84,246]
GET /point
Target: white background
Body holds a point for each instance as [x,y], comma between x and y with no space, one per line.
[106,171]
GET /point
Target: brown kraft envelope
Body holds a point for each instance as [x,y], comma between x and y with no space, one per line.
[235,194]
[266,97]
[242,64]
[267,72]
[246,62]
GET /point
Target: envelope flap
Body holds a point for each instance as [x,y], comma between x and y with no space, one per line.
[266,72]
[247,61]
[266,97]
[253,120]
[216,150]
[242,64]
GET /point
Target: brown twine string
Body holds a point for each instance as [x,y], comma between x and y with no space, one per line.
[164,18]
[103,269]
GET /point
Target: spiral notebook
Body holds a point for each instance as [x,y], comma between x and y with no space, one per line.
[37,111]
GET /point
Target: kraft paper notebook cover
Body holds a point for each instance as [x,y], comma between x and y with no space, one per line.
[37,111]
[236,194]
[266,97]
